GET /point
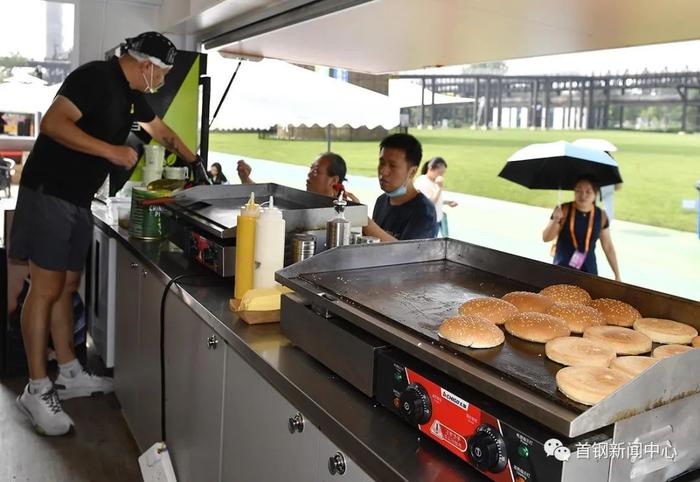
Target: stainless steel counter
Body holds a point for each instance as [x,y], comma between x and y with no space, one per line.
[380,443]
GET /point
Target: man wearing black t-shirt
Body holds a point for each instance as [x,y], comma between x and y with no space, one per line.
[80,137]
[400,213]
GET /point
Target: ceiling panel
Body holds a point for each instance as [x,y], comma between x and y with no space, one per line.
[393,35]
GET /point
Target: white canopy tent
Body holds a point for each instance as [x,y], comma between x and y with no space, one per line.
[272,92]
[407,93]
[17,96]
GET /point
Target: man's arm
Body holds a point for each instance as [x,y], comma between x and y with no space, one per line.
[160,131]
[59,124]
[373,229]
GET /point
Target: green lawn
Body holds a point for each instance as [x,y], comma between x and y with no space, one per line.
[659,170]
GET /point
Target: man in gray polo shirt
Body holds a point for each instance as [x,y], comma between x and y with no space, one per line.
[81,136]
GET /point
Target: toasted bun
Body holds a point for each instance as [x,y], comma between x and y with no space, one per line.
[624,341]
[566,294]
[665,351]
[589,385]
[696,342]
[616,312]
[577,351]
[536,327]
[666,331]
[632,365]
[493,309]
[577,316]
[471,331]
[526,301]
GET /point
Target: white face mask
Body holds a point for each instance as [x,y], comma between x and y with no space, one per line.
[150,88]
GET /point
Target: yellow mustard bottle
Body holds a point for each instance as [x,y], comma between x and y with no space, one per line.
[245,247]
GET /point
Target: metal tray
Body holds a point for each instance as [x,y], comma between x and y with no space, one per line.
[400,292]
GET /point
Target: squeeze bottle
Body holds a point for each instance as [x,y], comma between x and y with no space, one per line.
[245,247]
[269,246]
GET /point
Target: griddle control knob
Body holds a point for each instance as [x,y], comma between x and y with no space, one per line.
[415,405]
[487,449]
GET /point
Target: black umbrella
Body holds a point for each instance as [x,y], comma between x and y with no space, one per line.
[559,165]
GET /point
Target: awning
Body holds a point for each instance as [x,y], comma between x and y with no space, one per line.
[26,97]
[272,92]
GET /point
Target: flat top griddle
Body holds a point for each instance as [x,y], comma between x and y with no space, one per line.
[214,209]
[400,292]
[224,212]
[422,302]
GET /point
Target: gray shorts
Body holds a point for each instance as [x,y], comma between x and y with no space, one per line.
[52,233]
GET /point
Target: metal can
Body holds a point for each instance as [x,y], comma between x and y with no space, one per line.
[354,235]
[146,222]
[367,240]
[303,246]
[337,232]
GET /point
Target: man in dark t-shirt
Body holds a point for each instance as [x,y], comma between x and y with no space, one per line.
[81,136]
[400,213]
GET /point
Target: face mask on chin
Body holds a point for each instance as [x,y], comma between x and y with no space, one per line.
[399,191]
[402,189]
[150,88]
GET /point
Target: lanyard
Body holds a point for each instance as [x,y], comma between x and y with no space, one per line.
[589,231]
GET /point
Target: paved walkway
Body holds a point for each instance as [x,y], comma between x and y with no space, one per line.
[656,258]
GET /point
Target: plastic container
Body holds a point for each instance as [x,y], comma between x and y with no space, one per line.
[154,155]
[245,247]
[269,246]
[123,215]
[150,174]
[178,173]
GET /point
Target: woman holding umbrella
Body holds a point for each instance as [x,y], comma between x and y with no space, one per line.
[577,226]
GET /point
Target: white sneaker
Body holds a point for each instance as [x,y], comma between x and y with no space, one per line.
[82,385]
[45,412]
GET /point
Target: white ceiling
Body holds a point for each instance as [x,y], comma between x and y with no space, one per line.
[392,35]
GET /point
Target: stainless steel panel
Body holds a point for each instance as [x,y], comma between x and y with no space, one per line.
[257,442]
[671,429]
[586,469]
[194,392]
[149,415]
[127,364]
[351,472]
[347,352]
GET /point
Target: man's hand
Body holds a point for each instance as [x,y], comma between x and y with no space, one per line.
[123,156]
[199,173]
[244,171]
[352,197]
